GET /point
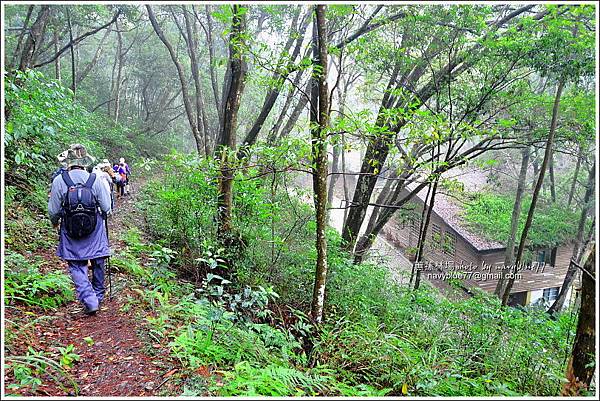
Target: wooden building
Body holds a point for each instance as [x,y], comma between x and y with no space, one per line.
[454,251]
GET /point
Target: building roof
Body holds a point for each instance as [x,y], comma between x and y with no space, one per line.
[450,210]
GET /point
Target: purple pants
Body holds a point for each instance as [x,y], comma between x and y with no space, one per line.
[89,294]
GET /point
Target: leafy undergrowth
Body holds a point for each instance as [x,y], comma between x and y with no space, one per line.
[206,321]
[233,335]
[377,340]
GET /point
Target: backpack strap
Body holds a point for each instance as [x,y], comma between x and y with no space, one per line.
[67,179]
[90,181]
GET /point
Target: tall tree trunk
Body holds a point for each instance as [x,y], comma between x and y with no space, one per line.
[578,246]
[552,181]
[344,179]
[383,198]
[536,191]
[377,150]
[273,133]
[213,67]
[34,38]
[109,104]
[57,74]
[83,74]
[575,175]
[117,93]
[182,80]
[73,77]
[423,236]
[238,68]
[18,50]
[192,44]
[320,121]
[514,221]
[582,363]
[337,146]
[278,77]
[300,106]
[381,214]
[536,168]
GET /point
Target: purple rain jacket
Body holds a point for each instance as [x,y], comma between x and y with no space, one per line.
[96,244]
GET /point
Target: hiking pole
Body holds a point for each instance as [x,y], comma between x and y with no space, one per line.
[108,261]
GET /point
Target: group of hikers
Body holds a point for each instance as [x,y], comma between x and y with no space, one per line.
[80,201]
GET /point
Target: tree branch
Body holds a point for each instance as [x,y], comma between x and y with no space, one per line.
[75,41]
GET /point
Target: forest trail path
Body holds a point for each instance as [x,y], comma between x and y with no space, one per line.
[112,361]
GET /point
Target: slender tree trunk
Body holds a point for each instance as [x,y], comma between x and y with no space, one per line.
[514,221]
[57,74]
[423,237]
[34,38]
[300,106]
[213,67]
[582,363]
[377,150]
[112,83]
[381,215]
[383,198]
[18,50]
[238,68]
[536,191]
[337,147]
[552,181]
[83,74]
[117,94]
[575,175]
[578,246]
[182,80]
[191,43]
[73,77]
[536,168]
[320,122]
[274,133]
[278,77]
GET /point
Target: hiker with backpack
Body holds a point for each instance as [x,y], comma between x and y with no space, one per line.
[80,201]
[121,179]
[127,171]
[105,173]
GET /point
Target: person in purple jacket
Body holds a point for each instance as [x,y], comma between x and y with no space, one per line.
[127,170]
[93,247]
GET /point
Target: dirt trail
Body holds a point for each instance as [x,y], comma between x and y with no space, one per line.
[113,361]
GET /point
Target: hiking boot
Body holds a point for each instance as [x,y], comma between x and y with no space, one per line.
[90,311]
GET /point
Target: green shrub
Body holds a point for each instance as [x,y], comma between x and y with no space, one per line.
[27,230]
[490,215]
[274,227]
[23,282]
[272,380]
[394,337]
[377,338]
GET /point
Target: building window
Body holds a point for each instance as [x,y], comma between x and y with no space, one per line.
[449,244]
[550,294]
